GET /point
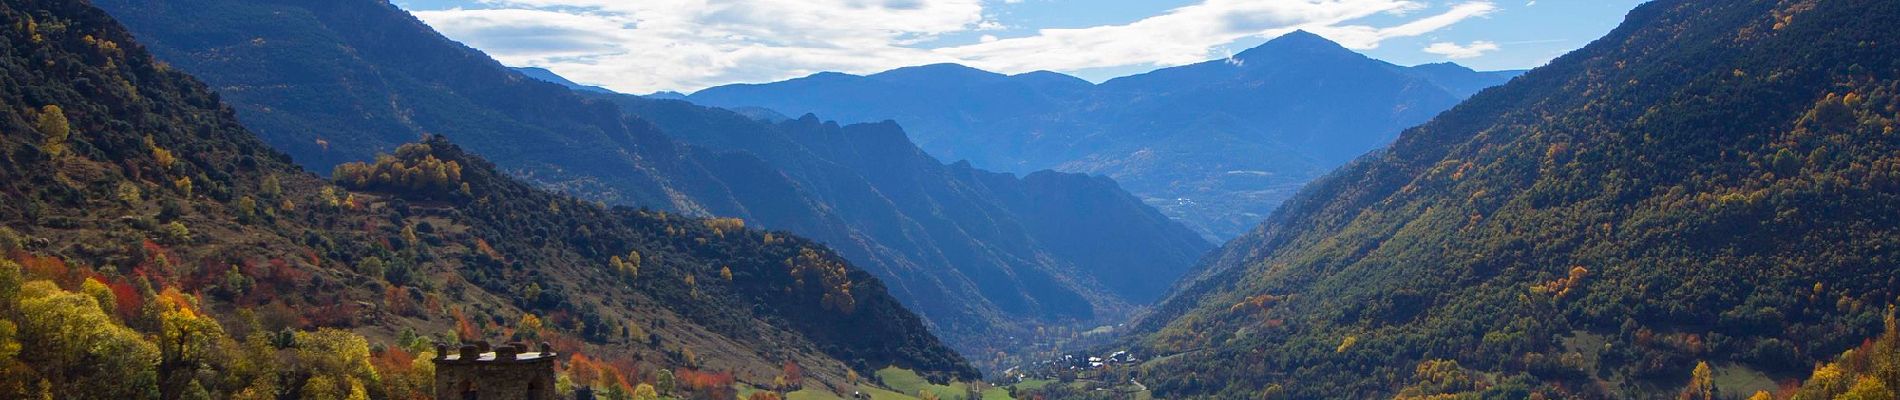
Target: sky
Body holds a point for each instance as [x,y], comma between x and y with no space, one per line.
[645,46]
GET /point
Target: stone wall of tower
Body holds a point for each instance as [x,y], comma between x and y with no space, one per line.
[507,373]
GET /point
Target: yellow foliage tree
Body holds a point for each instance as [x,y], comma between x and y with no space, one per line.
[100,293]
[831,273]
[335,353]
[164,157]
[1701,383]
[1438,379]
[129,193]
[55,127]
[414,168]
[187,340]
[76,346]
[1867,388]
[645,392]
[530,327]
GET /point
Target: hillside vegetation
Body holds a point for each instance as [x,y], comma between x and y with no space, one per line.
[150,245]
[991,261]
[1714,181]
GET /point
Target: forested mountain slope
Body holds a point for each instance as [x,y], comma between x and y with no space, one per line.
[988,259]
[1087,225]
[1713,181]
[151,245]
[1216,144]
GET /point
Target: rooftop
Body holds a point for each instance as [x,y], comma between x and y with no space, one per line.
[482,352]
[490,356]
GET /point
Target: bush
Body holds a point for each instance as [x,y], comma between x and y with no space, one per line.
[174,233]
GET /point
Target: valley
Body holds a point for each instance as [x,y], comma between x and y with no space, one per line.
[378,200]
[991,261]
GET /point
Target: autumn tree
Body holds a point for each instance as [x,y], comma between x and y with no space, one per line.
[164,157]
[664,382]
[1701,384]
[529,328]
[721,226]
[793,374]
[414,169]
[73,345]
[57,130]
[174,232]
[645,392]
[271,187]
[246,209]
[833,276]
[339,357]
[187,342]
[1435,378]
[628,266]
[1868,388]
[405,376]
[129,193]
[98,291]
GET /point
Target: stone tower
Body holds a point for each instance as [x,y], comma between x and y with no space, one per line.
[509,372]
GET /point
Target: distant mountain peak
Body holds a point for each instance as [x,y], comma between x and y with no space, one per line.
[1299,43]
[1050,78]
[938,68]
[1445,66]
[545,75]
[666,95]
[830,74]
[1303,38]
[1302,34]
[937,73]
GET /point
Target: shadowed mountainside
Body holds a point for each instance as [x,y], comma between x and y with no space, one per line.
[130,182]
[981,256]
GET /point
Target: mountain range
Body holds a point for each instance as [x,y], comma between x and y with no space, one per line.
[1700,203]
[1217,145]
[152,247]
[988,259]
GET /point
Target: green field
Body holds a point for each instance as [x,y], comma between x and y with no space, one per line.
[904,385]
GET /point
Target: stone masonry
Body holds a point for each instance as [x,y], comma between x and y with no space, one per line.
[510,372]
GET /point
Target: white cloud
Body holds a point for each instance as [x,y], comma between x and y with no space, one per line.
[648,45]
[1180,36]
[1361,37]
[1456,51]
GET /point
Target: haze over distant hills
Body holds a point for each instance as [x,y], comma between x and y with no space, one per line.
[987,258]
[1217,144]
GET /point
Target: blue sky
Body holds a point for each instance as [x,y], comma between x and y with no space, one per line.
[641,46]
